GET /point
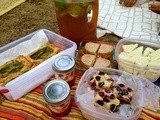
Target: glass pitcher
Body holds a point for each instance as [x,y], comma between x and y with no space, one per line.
[73,20]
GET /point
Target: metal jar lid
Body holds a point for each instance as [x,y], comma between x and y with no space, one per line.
[63,63]
[56,91]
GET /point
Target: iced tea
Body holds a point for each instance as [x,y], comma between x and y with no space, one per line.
[72,17]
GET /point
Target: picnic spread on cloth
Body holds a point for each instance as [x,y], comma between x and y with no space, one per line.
[135,22]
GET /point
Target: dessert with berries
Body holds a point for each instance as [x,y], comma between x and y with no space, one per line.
[109,94]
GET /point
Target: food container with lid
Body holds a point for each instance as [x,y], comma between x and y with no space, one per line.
[57,94]
[143,60]
[64,68]
[142,96]
[31,79]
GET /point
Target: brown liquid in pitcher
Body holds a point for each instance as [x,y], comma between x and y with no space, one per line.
[73,21]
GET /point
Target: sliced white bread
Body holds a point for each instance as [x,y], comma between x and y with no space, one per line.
[105,50]
[129,48]
[102,62]
[87,60]
[91,48]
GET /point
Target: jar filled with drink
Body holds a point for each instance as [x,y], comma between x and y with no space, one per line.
[73,22]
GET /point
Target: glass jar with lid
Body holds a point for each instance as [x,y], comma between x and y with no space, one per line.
[64,68]
[57,94]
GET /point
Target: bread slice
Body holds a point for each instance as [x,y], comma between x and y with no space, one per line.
[105,50]
[129,48]
[13,69]
[102,62]
[43,53]
[91,48]
[87,60]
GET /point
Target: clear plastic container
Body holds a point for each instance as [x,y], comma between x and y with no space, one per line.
[145,70]
[41,73]
[142,96]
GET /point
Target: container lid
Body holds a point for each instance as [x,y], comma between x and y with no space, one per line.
[56,91]
[63,63]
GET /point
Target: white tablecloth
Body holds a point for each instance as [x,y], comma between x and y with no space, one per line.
[131,22]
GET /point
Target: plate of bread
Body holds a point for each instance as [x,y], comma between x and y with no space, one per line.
[95,54]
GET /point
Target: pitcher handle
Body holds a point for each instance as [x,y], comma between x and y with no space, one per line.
[95,9]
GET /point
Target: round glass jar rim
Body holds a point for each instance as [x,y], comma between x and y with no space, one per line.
[63,63]
[48,86]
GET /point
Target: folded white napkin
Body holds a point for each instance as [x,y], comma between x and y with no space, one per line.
[131,22]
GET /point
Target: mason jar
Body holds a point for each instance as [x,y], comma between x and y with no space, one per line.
[64,68]
[57,94]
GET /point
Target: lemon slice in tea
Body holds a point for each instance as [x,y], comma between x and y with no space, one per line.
[75,10]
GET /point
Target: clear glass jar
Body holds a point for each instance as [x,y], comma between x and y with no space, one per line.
[64,67]
[57,94]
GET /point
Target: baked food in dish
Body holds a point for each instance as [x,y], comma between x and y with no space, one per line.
[105,51]
[123,92]
[14,68]
[107,93]
[43,53]
[101,80]
[106,99]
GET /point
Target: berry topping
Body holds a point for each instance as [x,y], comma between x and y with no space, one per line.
[118,88]
[112,96]
[130,98]
[110,79]
[107,91]
[129,89]
[121,85]
[120,94]
[101,94]
[101,84]
[125,92]
[100,102]
[101,73]
[98,78]
[91,79]
[106,100]
[113,107]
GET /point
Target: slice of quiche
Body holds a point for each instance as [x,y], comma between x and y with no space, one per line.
[13,69]
[43,53]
